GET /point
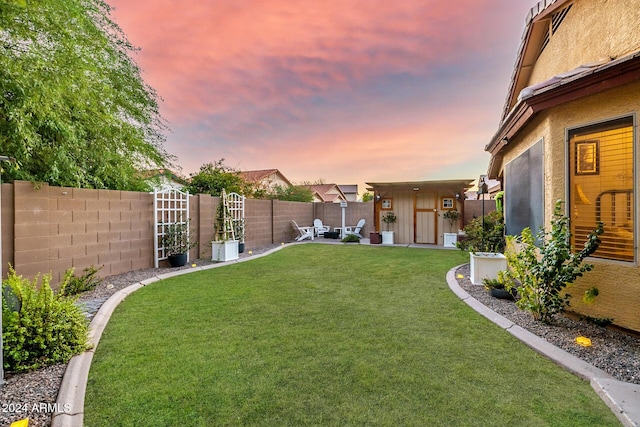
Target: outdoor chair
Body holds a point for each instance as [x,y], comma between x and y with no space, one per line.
[355,230]
[303,232]
[320,228]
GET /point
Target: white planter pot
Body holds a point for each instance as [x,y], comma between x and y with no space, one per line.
[450,240]
[486,265]
[224,251]
[387,237]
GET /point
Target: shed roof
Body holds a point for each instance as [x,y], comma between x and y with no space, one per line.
[453,184]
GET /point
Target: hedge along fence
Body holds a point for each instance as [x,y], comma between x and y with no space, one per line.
[50,229]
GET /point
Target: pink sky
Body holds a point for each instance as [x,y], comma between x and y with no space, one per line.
[345,91]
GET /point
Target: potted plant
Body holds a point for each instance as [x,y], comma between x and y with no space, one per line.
[387,236]
[224,246]
[177,243]
[485,242]
[501,287]
[239,233]
[451,238]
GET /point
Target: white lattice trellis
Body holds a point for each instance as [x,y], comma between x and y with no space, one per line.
[236,209]
[171,207]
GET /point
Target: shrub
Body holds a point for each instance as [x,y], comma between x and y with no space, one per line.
[351,238]
[74,285]
[46,328]
[545,272]
[484,234]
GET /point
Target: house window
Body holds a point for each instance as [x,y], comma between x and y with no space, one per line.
[447,203]
[387,204]
[601,186]
[524,191]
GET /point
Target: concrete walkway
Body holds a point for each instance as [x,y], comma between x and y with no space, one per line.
[623,398]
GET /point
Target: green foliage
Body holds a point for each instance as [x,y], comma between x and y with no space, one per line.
[545,272]
[484,234]
[212,178]
[223,227]
[176,239]
[598,321]
[503,281]
[74,285]
[292,193]
[389,218]
[452,216]
[351,238]
[74,110]
[48,329]
[590,295]
[367,197]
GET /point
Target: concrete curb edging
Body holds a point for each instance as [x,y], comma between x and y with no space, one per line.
[70,400]
[622,398]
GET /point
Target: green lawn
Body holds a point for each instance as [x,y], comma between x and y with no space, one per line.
[328,335]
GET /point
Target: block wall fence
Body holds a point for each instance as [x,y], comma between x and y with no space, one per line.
[49,229]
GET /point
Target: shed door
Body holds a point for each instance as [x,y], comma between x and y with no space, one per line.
[425,212]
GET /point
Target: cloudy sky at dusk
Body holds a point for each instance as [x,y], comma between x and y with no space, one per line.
[345,91]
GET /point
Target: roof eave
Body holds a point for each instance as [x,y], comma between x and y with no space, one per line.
[611,75]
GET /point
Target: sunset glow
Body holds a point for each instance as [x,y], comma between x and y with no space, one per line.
[344,91]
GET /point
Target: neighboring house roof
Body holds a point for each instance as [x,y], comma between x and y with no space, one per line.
[164,178]
[350,192]
[493,187]
[327,193]
[266,178]
[259,175]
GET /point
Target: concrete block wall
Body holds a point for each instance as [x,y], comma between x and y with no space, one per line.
[283,213]
[258,215]
[473,209]
[331,215]
[56,228]
[6,228]
[50,229]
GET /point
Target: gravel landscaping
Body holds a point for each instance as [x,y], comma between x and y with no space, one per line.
[34,394]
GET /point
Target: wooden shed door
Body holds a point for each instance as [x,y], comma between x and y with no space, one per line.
[425,211]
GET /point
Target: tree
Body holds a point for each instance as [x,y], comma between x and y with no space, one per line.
[213,177]
[367,197]
[74,110]
[293,193]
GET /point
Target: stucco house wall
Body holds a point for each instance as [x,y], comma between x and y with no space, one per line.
[592,31]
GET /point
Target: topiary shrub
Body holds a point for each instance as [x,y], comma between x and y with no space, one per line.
[39,327]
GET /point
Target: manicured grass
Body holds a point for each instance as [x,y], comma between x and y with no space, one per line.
[324,335]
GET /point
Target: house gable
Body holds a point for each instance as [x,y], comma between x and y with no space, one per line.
[562,35]
[265,179]
[327,193]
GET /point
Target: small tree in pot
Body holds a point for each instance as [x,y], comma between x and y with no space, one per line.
[177,243]
[387,236]
[389,218]
[452,216]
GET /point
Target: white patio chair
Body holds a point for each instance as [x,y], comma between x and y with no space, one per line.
[355,230]
[320,228]
[304,232]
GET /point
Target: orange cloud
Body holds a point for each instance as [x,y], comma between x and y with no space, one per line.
[402,88]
